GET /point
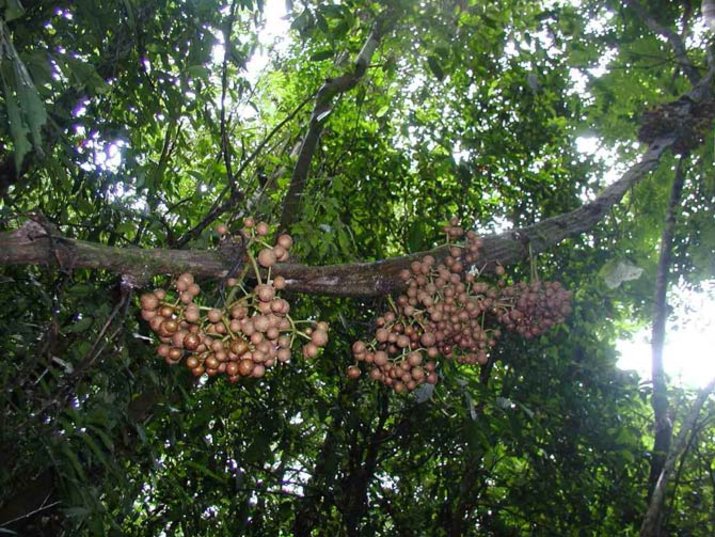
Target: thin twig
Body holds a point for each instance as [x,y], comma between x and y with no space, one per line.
[31,513]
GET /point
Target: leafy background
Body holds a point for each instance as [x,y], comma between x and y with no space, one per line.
[126,122]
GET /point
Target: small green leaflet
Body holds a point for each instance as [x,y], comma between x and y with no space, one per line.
[435,67]
[25,110]
[13,9]
[322,55]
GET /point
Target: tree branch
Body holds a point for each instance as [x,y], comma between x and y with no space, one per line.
[673,39]
[29,245]
[659,400]
[651,522]
[323,106]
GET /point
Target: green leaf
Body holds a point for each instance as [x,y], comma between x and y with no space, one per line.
[38,64]
[18,128]
[26,111]
[103,436]
[205,471]
[94,448]
[259,449]
[85,75]
[13,10]
[416,236]
[77,512]
[126,228]
[322,55]
[615,273]
[130,15]
[627,455]
[71,456]
[80,326]
[435,67]
[198,71]
[382,111]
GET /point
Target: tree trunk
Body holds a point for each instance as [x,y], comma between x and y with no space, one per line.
[659,401]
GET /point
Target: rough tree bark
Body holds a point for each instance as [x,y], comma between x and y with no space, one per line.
[362,463]
[323,474]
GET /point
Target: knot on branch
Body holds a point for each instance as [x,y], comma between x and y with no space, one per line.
[30,231]
[232,248]
[687,120]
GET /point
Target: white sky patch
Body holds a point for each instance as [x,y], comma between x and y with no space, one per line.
[104,155]
[599,25]
[698,35]
[689,352]
[459,154]
[580,77]
[272,39]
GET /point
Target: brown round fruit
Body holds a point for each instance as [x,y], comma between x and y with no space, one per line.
[319,337]
[266,258]
[149,301]
[286,241]
[191,341]
[265,292]
[262,229]
[245,367]
[310,350]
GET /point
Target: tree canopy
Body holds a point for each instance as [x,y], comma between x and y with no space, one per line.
[574,137]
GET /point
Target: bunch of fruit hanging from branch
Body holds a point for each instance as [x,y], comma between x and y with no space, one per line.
[451,311]
[253,330]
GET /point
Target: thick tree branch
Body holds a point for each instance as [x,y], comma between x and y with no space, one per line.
[323,106]
[659,401]
[673,39]
[651,522]
[352,499]
[29,245]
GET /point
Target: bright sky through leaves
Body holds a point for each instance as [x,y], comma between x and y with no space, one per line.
[689,354]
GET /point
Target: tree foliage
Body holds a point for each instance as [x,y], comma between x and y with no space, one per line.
[130,129]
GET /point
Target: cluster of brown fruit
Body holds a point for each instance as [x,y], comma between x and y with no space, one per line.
[532,309]
[447,311]
[250,334]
